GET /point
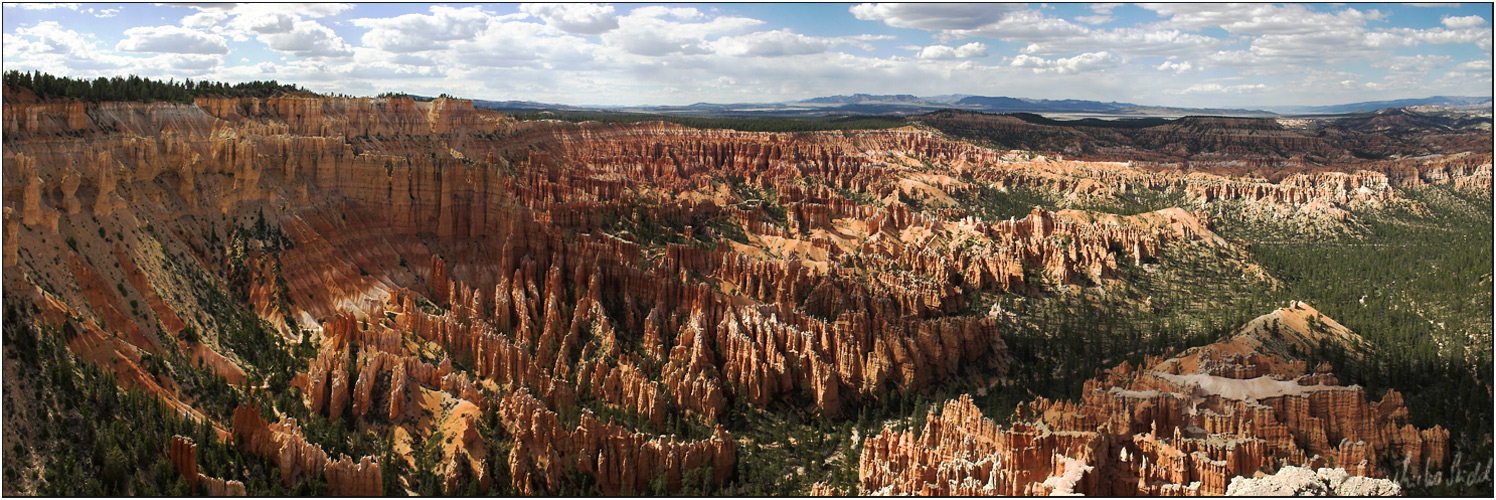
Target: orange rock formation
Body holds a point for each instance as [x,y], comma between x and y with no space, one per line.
[1186,425]
[451,254]
[183,454]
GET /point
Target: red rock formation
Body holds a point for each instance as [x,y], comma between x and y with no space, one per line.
[1235,146]
[284,444]
[361,479]
[461,253]
[215,487]
[183,454]
[623,462]
[1186,425]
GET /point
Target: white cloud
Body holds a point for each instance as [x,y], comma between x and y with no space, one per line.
[288,30]
[1259,18]
[50,47]
[1481,37]
[770,44]
[420,32]
[1025,26]
[171,40]
[315,10]
[1295,52]
[308,39]
[46,37]
[102,13]
[1463,22]
[1413,64]
[43,6]
[658,31]
[515,44]
[973,49]
[946,52]
[1177,68]
[579,18]
[600,54]
[205,18]
[192,63]
[1216,88]
[1476,65]
[1130,41]
[933,16]
[1085,62]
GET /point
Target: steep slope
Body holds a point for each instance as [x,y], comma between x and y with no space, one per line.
[1186,425]
[441,296]
[1263,147]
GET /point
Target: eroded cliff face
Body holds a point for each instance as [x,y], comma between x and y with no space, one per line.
[183,455]
[1192,424]
[1237,146]
[443,263]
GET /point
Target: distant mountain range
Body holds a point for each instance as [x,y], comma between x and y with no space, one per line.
[1445,101]
[906,104]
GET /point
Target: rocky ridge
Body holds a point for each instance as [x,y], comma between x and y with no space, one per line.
[443,259]
[1193,424]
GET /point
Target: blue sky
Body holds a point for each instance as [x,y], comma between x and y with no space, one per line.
[1198,55]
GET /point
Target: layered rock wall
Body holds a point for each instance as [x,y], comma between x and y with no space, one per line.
[1182,426]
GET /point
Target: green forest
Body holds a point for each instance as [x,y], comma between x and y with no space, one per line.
[135,88]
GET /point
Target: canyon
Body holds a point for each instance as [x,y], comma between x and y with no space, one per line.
[1192,424]
[532,302]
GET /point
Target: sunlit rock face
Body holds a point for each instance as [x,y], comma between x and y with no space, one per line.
[443,262]
[1194,424]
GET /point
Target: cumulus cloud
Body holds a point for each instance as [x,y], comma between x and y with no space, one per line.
[1478,64]
[946,52]
[601,54]
[1089,61]
[1421,63]
[191,64]
[102,13]
[205,18]
[50,47]
[46,37]
[1481,37]
[1026,26]
[1216,88]
[322,9]
[171,40]
[1175,67]
[1103,13]
[660,31]
[933,16]
[43,6]
[308,39]
[1259,18]
[770,44]
[579,18]
[421,32]
[1463,22]
[1131,41]
[1294,52]
[290,30]
[516,44]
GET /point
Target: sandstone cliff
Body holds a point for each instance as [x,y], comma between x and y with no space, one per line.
[1186,425]
[438,255]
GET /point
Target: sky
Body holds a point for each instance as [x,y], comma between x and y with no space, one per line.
[1191,55]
